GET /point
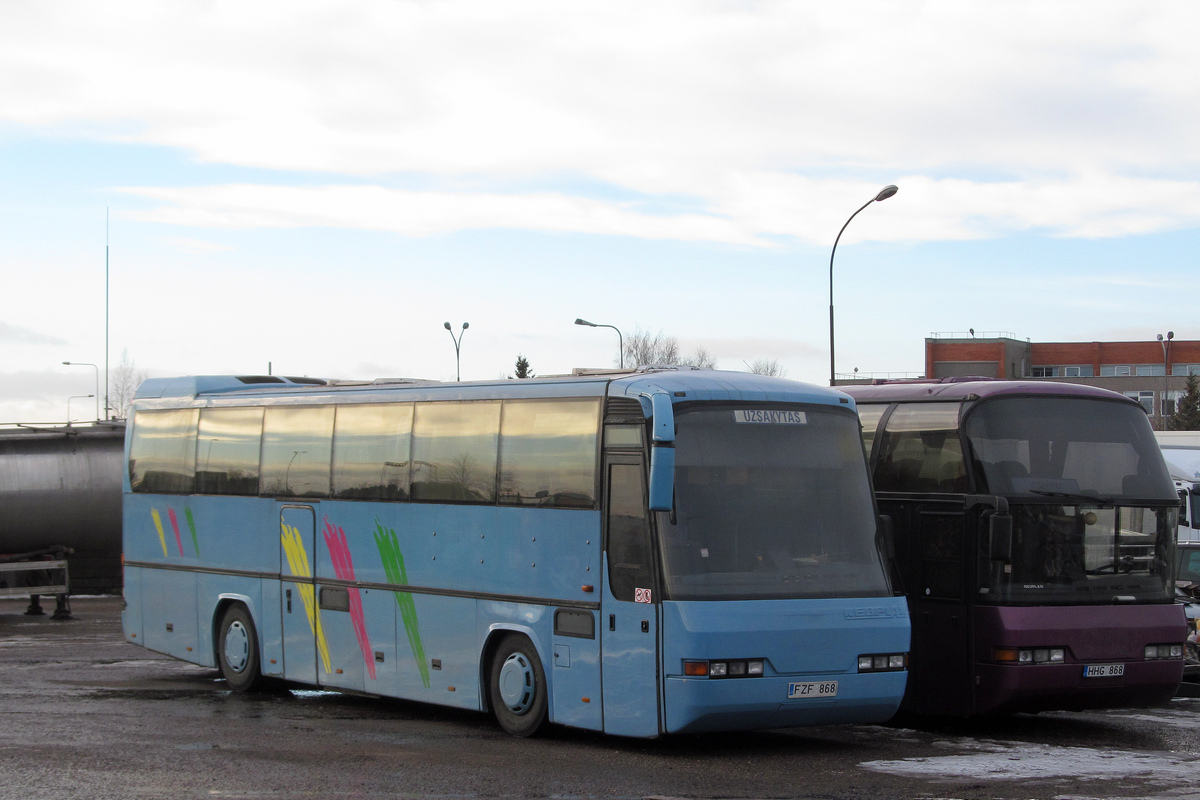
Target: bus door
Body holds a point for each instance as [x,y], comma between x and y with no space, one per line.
[629,617]
[300,611]
[942,658]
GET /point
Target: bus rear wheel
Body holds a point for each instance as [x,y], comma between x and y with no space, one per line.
[517,686]
[237,646]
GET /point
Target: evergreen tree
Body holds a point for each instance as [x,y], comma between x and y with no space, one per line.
[523,370]
[1187,411]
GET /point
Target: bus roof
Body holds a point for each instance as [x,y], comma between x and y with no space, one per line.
[972,389]
[682,385]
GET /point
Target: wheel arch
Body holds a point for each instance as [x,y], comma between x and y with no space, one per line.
[224,601]
[495,633]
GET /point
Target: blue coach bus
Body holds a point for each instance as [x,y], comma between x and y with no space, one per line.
[658,552]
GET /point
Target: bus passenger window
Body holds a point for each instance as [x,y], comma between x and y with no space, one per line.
[628,549]
[371,444]
[454,452]
[295,451]
[920,450]
[548,453]
[227,450]
[869,416]
[162,455]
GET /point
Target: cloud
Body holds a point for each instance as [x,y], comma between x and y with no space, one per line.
[762,119]
[17,335]
[197,245]
[760,207]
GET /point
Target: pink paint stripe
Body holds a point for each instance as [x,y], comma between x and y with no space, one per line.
[343,567]
[175,527]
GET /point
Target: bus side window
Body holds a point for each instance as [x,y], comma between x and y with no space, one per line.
[628,546]
[1183,508]
[162,455]
[920,450]
[454,451]
[227,450]
[296,447]
[869,416]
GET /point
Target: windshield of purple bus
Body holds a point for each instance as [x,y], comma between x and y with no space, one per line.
[770,503]
[1094,509]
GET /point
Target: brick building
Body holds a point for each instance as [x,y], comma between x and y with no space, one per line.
[1152,372]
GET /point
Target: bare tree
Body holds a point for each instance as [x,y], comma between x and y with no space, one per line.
[701,359]
[124,381]
[643,347]
[765,366]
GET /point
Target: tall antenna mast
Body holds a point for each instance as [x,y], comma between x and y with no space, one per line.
[106,312]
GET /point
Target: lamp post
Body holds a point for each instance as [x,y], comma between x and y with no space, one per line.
[457,345]
[69,399]
[97,395]
[620,338]
[1166,346]
[884,194]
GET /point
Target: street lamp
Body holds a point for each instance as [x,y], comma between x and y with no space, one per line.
[457,345]
[69,399]
[1166,346]
[97,395]
[884,194]
[620,338]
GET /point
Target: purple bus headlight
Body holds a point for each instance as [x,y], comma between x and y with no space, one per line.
[1039,655]
[1156,651]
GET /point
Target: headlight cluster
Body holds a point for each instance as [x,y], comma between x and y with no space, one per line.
[882,662]
[1156,651]
[740,668]
[1037,655]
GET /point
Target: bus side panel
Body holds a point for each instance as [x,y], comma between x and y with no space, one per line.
[444,633]
[575,675]
[519,552]
[1091,635]
[169,613]
[131,616]
[800,641]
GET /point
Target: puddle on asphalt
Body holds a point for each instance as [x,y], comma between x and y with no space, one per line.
[1019,761]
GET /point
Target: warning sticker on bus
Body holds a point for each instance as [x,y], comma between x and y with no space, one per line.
[763,416]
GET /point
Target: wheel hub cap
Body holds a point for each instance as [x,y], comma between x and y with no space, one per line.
[237,646]
[517,683]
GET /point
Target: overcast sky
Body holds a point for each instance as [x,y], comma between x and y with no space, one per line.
[314,188]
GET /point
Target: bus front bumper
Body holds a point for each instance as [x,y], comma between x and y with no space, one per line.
[706,704]
[1063,687]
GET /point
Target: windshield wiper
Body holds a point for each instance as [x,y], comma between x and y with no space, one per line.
[1089,498]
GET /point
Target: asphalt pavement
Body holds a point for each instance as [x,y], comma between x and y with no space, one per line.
[84,715]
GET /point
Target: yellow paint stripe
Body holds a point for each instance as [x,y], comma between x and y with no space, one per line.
[162,537]
[297,556]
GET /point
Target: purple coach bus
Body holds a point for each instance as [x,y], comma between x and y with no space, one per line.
[1034,535]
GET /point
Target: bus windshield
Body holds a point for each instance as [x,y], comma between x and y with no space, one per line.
[770,505]
[1066,447]
[1094,510]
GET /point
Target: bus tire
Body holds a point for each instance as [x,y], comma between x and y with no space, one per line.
[237,649]
[517,686]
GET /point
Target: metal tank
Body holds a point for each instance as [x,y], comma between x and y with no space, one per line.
[62,486]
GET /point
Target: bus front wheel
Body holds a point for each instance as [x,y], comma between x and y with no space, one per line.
[517,686]
[237,645]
